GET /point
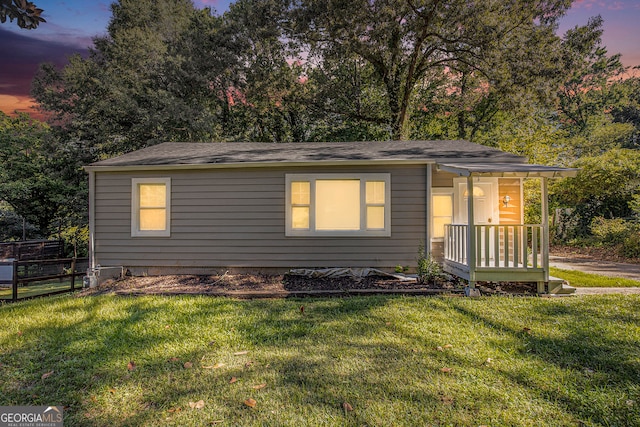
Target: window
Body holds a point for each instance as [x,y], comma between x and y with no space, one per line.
[441,211]
[151,207]
[338,205]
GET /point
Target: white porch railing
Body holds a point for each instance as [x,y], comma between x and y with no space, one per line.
[518,246]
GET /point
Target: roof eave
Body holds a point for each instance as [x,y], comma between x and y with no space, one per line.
[533,172]
[242,165]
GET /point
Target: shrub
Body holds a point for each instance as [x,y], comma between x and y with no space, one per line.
[428,268]
[634,205]
[610,230]
[631,246]
[76,237]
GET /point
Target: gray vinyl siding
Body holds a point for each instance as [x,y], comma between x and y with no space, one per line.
[235,218]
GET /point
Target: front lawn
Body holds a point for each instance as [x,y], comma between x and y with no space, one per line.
[586,280]
[376,361]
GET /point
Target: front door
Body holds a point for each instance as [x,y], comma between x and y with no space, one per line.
[485,211]
[484,202]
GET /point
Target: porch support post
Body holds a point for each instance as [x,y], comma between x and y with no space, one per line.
[544,194]
[471,235]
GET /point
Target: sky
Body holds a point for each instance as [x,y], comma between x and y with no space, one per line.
[71,25]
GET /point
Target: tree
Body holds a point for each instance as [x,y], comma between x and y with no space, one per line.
[345,102]
[33,178]
[270,94]
[628,110]
[408,42]
[589,72]
[14,227]
[605,186]
[160,74]
[24,12]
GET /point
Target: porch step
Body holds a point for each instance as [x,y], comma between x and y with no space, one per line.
[559,286]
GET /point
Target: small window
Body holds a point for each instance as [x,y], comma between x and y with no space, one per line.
[441,211]
[338,205]
[300,204]
[376,199]
[151,207]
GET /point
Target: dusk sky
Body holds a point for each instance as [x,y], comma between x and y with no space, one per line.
[71,24]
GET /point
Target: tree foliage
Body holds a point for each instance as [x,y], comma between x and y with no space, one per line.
[316,70]
[586,92]
[409,42]
[627,111]
[606,186]
[270,95]
[36,179]
[26,14]
[160,74]
[13,226]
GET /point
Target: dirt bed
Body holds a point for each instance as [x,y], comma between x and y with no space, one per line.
[279,285]
[191,284]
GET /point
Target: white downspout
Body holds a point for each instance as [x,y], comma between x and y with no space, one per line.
[92,221]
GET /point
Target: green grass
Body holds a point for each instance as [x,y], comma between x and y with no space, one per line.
[39,288]
[586,280]
[514,361]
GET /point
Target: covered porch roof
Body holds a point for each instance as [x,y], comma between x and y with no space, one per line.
[498,169]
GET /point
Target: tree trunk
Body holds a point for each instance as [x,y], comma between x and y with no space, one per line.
[402,124]
[399,119]
[462,130]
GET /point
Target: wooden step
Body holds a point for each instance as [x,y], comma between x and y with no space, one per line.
[559,286]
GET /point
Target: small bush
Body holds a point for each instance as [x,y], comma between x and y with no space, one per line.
[631,246]
[634,205]
[610,230]
[428,268]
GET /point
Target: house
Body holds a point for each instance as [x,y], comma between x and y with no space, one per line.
[197,208]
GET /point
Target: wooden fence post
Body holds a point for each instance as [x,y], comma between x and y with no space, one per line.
[14,282]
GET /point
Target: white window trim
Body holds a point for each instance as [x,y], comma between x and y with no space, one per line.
[135,208]
[449,191]
[363,178]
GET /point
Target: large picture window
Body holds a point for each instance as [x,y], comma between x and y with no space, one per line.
[151,207]
[338,205]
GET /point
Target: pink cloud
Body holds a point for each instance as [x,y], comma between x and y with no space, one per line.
[605,5]
[617,5]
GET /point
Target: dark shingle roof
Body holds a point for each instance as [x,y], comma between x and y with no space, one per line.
[237,153]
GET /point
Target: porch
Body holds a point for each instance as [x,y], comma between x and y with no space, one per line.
[498,253]
[487,240]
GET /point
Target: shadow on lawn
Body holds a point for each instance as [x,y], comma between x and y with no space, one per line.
[88,357]
[89,354]
[333,351]
[343,351]
[598,361]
